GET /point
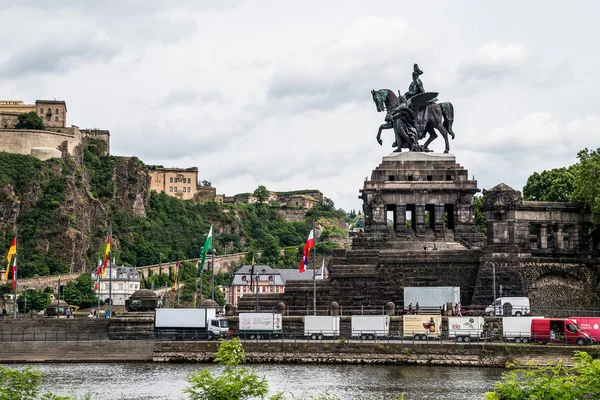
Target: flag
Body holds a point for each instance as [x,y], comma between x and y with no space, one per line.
[207,246]
[252,275]
[310,243]
[14,274]
[106,255]
[98,273]
[11,251]
[176,274]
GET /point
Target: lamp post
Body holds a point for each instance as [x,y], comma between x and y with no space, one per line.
[494,284]
[58,298]
[25,301]
[212,252]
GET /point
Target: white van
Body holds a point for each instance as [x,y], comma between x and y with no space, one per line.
[509,307]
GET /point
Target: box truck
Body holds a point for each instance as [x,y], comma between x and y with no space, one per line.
[422,327]
[370,326]
[558,330]
[430,298]
[321,327]
[589,325]
[465,329]
[260,325]
[517,328]
[189,324]
[509,307]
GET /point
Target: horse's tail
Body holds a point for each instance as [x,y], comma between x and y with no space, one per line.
[448,113]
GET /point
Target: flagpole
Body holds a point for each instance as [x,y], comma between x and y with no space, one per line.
[98,269]
[110,271]
[314,272]
[177,277]
[14,272]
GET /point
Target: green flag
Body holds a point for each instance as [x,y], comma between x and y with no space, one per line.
[207,246]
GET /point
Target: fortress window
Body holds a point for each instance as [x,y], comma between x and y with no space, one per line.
[184,189]
[189,189]
[429,178]
[175,188]
[56,111]
[171,180]
[41,110]
[189,180]
[171,189]
[56,118]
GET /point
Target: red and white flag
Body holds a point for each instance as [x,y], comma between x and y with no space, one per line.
[14,273]
[310,243]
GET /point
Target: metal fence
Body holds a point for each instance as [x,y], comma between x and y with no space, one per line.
[59,335]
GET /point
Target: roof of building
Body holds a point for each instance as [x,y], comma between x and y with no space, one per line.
[280,275]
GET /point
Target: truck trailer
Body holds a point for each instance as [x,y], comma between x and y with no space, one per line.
[430,298]
[260,325]
[517,328]
[465,329]
[370,326]
[189,324]
[422,327]
[321,327]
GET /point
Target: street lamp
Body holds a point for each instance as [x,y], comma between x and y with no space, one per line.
[58,297]
[25,301]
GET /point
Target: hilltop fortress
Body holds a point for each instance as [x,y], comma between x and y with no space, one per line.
[54,141]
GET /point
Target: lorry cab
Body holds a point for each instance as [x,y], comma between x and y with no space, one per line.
[558,330]
[509,307]
[218,328]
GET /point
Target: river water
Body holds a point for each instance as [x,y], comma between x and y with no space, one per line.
[128,381]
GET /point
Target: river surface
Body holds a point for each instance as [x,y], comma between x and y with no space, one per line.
[128,381]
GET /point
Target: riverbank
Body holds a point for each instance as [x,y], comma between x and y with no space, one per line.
[446,354]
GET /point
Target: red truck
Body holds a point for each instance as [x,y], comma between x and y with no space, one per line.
[590,325]
[558,330]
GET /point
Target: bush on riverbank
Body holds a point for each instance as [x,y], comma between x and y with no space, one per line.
[555,382]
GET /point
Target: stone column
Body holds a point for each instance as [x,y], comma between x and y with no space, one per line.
[574,236]
[401,218]
[439,219]
[543,237]
[559,237]
[419,218]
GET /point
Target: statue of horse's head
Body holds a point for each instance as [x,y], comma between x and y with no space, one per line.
[379,97]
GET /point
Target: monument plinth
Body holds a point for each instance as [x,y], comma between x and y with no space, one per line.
[425,195]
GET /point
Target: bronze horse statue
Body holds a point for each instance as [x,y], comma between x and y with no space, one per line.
[428,117]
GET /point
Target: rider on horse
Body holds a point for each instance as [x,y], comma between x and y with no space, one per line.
[416,86]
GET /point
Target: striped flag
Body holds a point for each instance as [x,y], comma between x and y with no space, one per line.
[106,255]
[176,275]
[14,273]
[310,243]
[11,252]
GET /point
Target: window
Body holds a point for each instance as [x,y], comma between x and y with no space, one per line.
[48,117]
[56,111]
[189,180]
[244,277]
[175,188]
[171,180]
[189,190]
[184,189]
[170,188]
[56,118]
[41,110]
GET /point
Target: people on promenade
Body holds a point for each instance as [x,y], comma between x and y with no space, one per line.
[410,309]
[3,312]
[417,308]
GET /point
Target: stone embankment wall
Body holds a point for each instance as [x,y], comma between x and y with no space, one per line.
[23,141]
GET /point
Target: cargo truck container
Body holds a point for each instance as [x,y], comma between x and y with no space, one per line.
[465,329]
[260,325]
[370,326]
[422,327]
[517,328]
[321,327]
[430,298]
[189,324]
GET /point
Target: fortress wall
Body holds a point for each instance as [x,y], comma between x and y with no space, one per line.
[22,141]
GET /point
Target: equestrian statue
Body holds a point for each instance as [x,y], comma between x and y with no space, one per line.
[414,114]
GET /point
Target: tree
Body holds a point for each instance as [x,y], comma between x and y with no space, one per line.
[30,120]
[262,194]
[554,382]
[587,188]
[480,222]
[554,185]
[80,292]
[234,383]
[24,384]
[206,183]
[36,300]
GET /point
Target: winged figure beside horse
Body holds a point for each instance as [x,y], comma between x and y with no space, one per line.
[414,114]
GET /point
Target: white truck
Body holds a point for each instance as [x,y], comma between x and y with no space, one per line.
[517,328]
[260,325]
[465,329]
[370,326]
[189,324]
[421,327]
[321,327]
[430,298]
[509,307]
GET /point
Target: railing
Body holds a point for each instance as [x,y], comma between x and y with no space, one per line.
[9,336]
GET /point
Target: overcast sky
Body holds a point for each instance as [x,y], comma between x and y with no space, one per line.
[278,92]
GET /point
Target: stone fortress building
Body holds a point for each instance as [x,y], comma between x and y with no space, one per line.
[56,140]
[420,231]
